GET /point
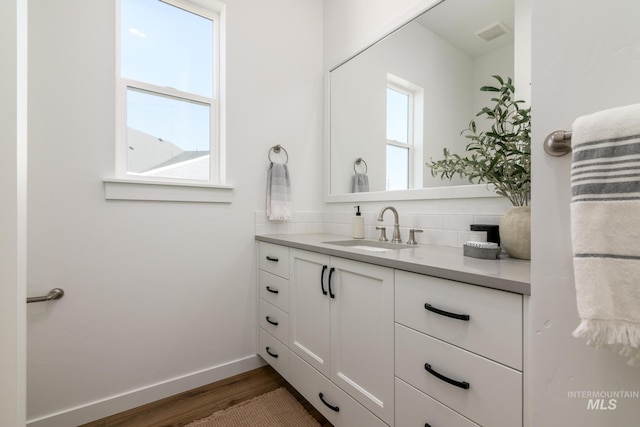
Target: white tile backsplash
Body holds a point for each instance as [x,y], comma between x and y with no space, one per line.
[438,229]
[457,222]
[302,222]
[487,219]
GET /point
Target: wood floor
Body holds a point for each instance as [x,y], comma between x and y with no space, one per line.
[181,409]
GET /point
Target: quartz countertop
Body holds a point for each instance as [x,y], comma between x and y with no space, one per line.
[506,274]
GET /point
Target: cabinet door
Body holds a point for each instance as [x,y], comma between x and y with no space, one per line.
[362,334]
[309,329]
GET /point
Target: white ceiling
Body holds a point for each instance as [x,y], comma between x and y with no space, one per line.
[457,21]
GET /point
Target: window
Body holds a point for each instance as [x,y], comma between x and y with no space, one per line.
[399,137]
[169,125]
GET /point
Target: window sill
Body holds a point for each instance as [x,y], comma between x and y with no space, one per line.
[151,190]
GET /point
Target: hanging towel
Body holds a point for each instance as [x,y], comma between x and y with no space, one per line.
[605,229]
[360,183]
[278,192]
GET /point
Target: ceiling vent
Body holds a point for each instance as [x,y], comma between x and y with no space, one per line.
[493,31]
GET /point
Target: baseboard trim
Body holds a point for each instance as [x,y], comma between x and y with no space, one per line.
[132,399]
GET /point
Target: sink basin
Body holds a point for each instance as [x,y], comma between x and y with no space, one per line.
[370,245]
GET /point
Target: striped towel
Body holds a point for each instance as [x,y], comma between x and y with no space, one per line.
[278,192]
[360,183]
[605,229]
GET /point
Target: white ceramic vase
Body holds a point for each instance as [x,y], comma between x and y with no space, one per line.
[515,232]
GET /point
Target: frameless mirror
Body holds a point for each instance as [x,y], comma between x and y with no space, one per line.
[397,104]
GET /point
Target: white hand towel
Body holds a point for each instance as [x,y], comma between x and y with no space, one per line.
[605,228]
[278,192]
[360,183]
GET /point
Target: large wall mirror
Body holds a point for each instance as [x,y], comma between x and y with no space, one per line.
[398,103]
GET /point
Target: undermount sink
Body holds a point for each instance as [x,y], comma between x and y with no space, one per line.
[370,245]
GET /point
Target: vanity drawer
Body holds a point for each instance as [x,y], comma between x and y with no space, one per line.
[494,327]
[494,394]
[416,409]
[274,289]
[311,383]
[274,259]
[274,353]
[273,320]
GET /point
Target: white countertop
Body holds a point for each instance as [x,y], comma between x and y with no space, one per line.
[506,274]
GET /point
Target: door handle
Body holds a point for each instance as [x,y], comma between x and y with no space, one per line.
[331,294]
[55,293]
[461,384]
[324,268]
[432,309]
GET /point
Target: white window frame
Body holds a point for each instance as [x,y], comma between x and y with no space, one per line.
[410,133]
[125,186]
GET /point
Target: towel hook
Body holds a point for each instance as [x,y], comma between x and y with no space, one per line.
[358,162]
[558,143]
[276,149]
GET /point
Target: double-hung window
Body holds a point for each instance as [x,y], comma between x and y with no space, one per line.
[399,137]
[169,126]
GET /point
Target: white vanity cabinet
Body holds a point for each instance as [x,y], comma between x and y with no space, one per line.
[342,326]
[375,346]
[273,306]
[458,351]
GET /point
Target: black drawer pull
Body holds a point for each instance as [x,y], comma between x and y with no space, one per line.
[271,321]
[427,425]
[461,384]
[324,268]
[273,291]
[333,408]
[446,313]
[272,258]
[331,294]
[275,356]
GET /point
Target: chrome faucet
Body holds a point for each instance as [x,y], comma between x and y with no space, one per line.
[396,226]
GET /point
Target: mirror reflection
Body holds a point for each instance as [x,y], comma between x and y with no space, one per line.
[397,104]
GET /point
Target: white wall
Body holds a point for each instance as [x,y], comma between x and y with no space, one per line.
[13,134]
[586,57]
[352,25]
[499,62]
[155,291]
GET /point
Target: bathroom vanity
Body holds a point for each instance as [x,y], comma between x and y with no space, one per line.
[376,336]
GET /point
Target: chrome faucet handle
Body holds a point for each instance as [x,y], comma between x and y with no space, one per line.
[412,236]
[383,234]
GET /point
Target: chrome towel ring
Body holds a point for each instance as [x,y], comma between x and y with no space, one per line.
[359,162]
[277,149]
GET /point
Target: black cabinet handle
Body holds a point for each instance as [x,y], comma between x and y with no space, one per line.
[275,356]
[273,291]
[427,425]
[446,313]
[324,268]
[272,258]
[331,294]
[461,384]
[333,408]
[271,321]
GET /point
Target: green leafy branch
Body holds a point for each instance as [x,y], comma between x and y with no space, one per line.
[500,156]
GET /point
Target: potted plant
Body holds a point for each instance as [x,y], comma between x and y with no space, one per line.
[501,156]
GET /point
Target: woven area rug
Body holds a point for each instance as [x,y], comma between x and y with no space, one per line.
[276,408]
